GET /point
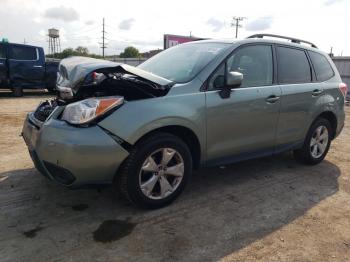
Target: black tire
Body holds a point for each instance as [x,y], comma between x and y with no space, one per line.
[17,91]
[304,154]
[127,180]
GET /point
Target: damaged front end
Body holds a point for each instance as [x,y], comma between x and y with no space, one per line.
[103,84]
[62,135]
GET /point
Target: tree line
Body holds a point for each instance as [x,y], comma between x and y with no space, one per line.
[129,52]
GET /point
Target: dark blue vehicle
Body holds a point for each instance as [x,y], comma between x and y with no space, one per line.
[24,66]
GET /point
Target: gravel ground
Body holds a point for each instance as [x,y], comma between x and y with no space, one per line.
[268,209]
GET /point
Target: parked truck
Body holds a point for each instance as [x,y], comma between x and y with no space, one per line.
[25,67]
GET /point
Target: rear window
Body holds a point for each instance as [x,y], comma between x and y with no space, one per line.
[2,51]
[293,66]
[321,65]
[23,53]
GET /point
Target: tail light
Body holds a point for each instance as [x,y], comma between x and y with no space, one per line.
[343,88]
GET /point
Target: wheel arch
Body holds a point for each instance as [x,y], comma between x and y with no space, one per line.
[185,134]
[332,118]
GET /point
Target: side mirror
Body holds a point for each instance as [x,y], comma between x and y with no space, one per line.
[233,79]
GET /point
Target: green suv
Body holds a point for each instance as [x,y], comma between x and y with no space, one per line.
[197,104]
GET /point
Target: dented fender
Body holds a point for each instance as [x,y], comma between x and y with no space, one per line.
[151,114]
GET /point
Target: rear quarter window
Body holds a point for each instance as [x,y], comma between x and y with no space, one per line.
[322,67]
[293,66]
[23,53]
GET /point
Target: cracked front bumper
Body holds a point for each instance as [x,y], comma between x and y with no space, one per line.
[70,155]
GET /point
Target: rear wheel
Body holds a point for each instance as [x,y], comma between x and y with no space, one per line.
[156,171]
[17,91]
[317,143]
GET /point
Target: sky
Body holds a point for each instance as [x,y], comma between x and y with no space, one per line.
[143,23]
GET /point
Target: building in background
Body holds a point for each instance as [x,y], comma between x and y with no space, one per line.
[172,40]
[343,65]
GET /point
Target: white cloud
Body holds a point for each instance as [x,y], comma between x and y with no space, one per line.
[216,24]
[90,22]
[126,24]
[260,24]
[332,2]
[67,14]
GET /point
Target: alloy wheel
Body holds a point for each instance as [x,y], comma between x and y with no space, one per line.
[161,173]
[319,141]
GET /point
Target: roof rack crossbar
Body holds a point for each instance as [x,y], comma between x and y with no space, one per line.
[293,40]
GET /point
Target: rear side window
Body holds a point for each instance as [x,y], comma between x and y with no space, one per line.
[23,53]
[321,65]
[2,51]
[293,66]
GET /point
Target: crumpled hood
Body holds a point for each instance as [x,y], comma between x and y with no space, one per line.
[73,70]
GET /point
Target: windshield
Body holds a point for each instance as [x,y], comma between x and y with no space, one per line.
[183,62]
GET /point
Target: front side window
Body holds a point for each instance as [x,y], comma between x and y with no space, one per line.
[2,51]
[23,53]
[254,62]
[321,65]
[293,66]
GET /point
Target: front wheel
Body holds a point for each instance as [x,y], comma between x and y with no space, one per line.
[317,143]
[156,171]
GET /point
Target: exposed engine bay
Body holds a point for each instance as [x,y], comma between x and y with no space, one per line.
[108,84]
[82,78]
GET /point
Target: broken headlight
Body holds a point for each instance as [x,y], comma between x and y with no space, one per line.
[85,111]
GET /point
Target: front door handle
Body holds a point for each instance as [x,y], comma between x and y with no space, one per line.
[317,92]
[272,99]
[38,66]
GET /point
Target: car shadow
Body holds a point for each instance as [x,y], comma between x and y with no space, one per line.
[222,210]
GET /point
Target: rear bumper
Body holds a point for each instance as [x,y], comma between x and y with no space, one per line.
[72,156]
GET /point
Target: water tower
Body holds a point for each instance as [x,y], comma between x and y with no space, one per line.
[54,41]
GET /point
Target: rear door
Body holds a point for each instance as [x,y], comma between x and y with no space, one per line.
[301,96]
[3,67]
[26,67]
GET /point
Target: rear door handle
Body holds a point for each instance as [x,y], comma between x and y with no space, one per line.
[38,66]
[317,92]
[272,99]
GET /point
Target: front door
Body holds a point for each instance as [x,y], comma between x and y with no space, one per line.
[244,125]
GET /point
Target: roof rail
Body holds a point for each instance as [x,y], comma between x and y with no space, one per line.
[292,39]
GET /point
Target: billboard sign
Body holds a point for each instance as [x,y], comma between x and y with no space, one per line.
[172,40]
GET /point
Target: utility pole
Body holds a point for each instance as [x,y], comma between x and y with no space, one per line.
[103,45]
[235,22]
[24,41]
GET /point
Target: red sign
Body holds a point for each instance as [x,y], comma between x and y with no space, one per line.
[172,40]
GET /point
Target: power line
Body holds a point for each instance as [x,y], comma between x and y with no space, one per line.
[103,45]
[235,22]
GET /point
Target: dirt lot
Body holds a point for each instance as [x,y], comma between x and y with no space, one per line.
[269,209]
